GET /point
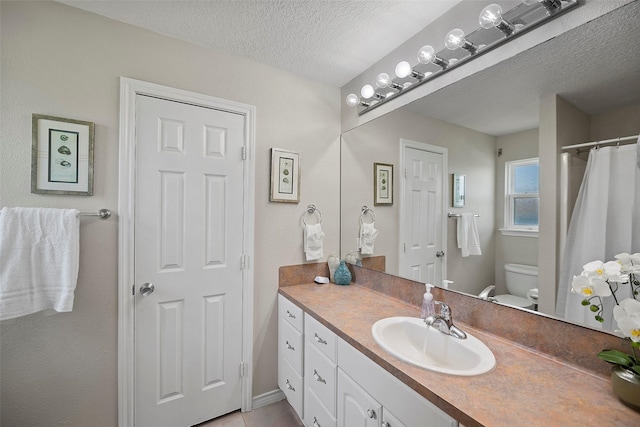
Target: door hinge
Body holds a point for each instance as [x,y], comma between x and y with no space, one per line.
[244,262]
[406,173]
[244,153]
[243,369]
[133,290]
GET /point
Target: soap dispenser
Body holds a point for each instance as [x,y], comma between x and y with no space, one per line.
[428,306]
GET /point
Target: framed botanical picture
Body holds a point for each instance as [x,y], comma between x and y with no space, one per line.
[285,176]
[458,190]
[61,156]
[382,184]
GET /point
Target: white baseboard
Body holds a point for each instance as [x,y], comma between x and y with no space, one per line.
[267,398]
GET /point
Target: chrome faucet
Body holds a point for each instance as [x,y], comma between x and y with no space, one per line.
[486,293]
[444,322]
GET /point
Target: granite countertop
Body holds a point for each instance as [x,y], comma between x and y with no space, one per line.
[525,387]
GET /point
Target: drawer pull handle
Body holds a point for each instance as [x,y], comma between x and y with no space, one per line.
[290,347]
[385,424]
[318,377]
[371,414]
[316,423]
[293,316]
[320,340]
[289,386]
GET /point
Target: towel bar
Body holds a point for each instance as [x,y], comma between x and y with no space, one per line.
[102,213]
[452,215]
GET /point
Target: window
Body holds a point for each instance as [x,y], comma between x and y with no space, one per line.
[522,198]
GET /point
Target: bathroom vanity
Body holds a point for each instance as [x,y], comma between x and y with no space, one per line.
[341,386]
[342,377]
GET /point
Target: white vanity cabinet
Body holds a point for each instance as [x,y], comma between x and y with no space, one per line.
[331,384]
[291,352]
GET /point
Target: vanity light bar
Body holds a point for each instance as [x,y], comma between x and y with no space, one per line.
[496,27]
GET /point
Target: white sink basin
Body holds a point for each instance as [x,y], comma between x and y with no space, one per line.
[412,341]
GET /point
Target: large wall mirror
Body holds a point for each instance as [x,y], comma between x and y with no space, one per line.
[579,87]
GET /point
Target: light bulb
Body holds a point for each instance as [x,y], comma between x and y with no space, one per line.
[403,69]
[367,91]
[352,100]
[426,54]
[490,16]
[455,39]
[383,80]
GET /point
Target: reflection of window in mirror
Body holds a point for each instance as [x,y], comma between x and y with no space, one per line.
[522,199]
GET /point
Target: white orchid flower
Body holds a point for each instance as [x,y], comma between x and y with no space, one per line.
[610,270]
[590,286]
[630,263]
[627,315]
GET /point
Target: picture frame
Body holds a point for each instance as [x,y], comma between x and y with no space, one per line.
[285,176]
[458,190]
[382,184]
[61,156]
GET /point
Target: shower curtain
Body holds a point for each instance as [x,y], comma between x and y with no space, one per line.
[605,222]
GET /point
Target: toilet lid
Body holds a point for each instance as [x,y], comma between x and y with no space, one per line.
[508,299]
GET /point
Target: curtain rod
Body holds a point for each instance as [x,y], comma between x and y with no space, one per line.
[605,141]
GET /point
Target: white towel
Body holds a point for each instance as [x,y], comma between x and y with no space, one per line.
[39,253]
[468,239]
[313,235]
[367,239]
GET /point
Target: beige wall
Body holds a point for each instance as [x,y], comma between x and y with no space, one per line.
[512,249]
[471,153]
[57,60]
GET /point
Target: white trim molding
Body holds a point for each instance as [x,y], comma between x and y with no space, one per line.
[129,89]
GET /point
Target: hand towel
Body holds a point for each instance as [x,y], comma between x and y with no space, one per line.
[313,235]
[468,239]
[367,239]
[39,255]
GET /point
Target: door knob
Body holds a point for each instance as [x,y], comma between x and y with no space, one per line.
[440,254]
[147,289]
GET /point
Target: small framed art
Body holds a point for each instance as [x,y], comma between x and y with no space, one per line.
[382,184]
[285,176]
[61,156]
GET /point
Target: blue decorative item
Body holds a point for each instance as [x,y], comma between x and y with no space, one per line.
[342,275]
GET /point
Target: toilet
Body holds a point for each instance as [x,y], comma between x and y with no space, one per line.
[520,280]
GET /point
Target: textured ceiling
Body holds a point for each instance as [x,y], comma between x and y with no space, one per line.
[330,41]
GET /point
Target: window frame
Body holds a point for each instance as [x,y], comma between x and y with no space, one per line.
[510,197]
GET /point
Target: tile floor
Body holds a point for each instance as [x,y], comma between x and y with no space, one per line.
[279,414]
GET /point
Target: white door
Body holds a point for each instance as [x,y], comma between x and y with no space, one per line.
[188,245]
[422,233]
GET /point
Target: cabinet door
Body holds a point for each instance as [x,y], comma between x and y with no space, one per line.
[390,420]
[355,407]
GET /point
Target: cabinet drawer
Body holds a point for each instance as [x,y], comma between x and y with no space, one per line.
[290,383]
[291,345]
[291,313]
[320,337]
[320,377]
[316,415]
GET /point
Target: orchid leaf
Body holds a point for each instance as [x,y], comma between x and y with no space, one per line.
[617,357]
[636,369]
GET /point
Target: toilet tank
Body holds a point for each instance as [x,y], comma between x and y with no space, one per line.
[519,278]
